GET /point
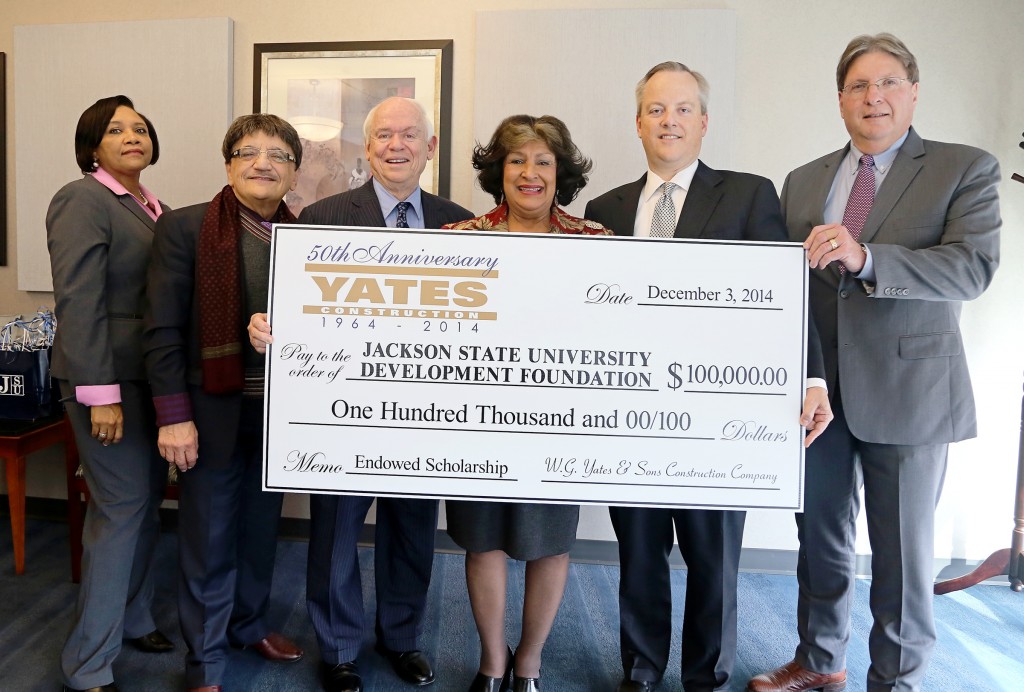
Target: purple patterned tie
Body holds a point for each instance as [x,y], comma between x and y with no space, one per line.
[402,221]
[862,196]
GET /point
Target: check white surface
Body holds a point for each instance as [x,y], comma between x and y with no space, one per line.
[549,368]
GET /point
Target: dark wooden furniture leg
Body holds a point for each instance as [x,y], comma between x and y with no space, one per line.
[1009,562]
[18,439]
[16,499]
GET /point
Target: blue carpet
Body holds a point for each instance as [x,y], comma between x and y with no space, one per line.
[981,631]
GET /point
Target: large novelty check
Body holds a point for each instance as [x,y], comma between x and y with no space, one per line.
[550,368]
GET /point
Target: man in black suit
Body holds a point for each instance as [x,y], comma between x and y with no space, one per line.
[680,197]
[399,142]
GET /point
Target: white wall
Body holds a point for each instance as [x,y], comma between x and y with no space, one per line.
[785,115]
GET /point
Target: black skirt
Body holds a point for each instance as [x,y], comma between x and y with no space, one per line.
[523,531]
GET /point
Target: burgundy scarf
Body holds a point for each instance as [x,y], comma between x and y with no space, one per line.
[219,277]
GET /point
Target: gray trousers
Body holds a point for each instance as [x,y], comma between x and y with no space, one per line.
[901,488]
[122,524]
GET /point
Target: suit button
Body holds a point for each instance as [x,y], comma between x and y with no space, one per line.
[844,294]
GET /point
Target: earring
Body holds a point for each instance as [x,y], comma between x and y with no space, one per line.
[95,163]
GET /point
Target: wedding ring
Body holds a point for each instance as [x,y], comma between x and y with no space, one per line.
[834,244]
[103,434]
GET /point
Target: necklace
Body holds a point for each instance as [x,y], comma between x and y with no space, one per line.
[140,197]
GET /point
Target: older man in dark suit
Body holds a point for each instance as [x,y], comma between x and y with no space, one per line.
[681,197]
[399,143]
[899,230]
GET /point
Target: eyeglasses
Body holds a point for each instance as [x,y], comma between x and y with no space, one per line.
[250,154]
[886,84]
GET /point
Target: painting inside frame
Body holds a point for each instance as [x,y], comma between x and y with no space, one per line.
[326,90]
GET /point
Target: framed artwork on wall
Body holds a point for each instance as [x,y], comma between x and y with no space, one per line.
[326,89]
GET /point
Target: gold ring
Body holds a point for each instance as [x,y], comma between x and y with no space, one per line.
[834,244]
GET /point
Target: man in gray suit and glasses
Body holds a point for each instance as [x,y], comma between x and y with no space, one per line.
[899,231]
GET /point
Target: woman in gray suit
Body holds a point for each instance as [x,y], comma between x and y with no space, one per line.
[99,230]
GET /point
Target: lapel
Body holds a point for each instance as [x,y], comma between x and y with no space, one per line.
[128,203]
[623,217]
[131,205]
[701,200]
[431,210]
[817,194]
[366,207]
[905,167]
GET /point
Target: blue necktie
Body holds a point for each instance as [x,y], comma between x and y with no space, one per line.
[402,221]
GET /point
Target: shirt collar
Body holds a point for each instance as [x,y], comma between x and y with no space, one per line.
[388,201]
[683,179]
[110,182]
[882,161]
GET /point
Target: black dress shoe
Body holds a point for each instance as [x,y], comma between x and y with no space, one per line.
[412,666]
[484,683]
[105,688]
[343,677]
[525,684]
[635,686]
[153,643]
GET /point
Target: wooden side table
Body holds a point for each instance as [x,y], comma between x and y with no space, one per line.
[18,439]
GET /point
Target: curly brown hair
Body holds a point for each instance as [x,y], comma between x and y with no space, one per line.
[571,166]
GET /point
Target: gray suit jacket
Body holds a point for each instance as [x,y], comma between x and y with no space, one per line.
[933,233]
[99,246]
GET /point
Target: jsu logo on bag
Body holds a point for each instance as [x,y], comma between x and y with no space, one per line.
[12,385]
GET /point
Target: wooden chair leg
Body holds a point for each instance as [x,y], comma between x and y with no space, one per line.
[16,498]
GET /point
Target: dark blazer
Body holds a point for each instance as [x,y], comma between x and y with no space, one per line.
[99,247]
[404,531]
[720,205]
[933,233]
[750,212]
[360,207]
[171,337]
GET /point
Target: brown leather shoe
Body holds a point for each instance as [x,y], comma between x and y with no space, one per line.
[275,647]
[793,677]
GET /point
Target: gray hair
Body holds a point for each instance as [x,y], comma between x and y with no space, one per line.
[368,123]
[879,43]
[672,66]
[270,125]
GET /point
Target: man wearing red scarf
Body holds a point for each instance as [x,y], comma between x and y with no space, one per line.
[208,273]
